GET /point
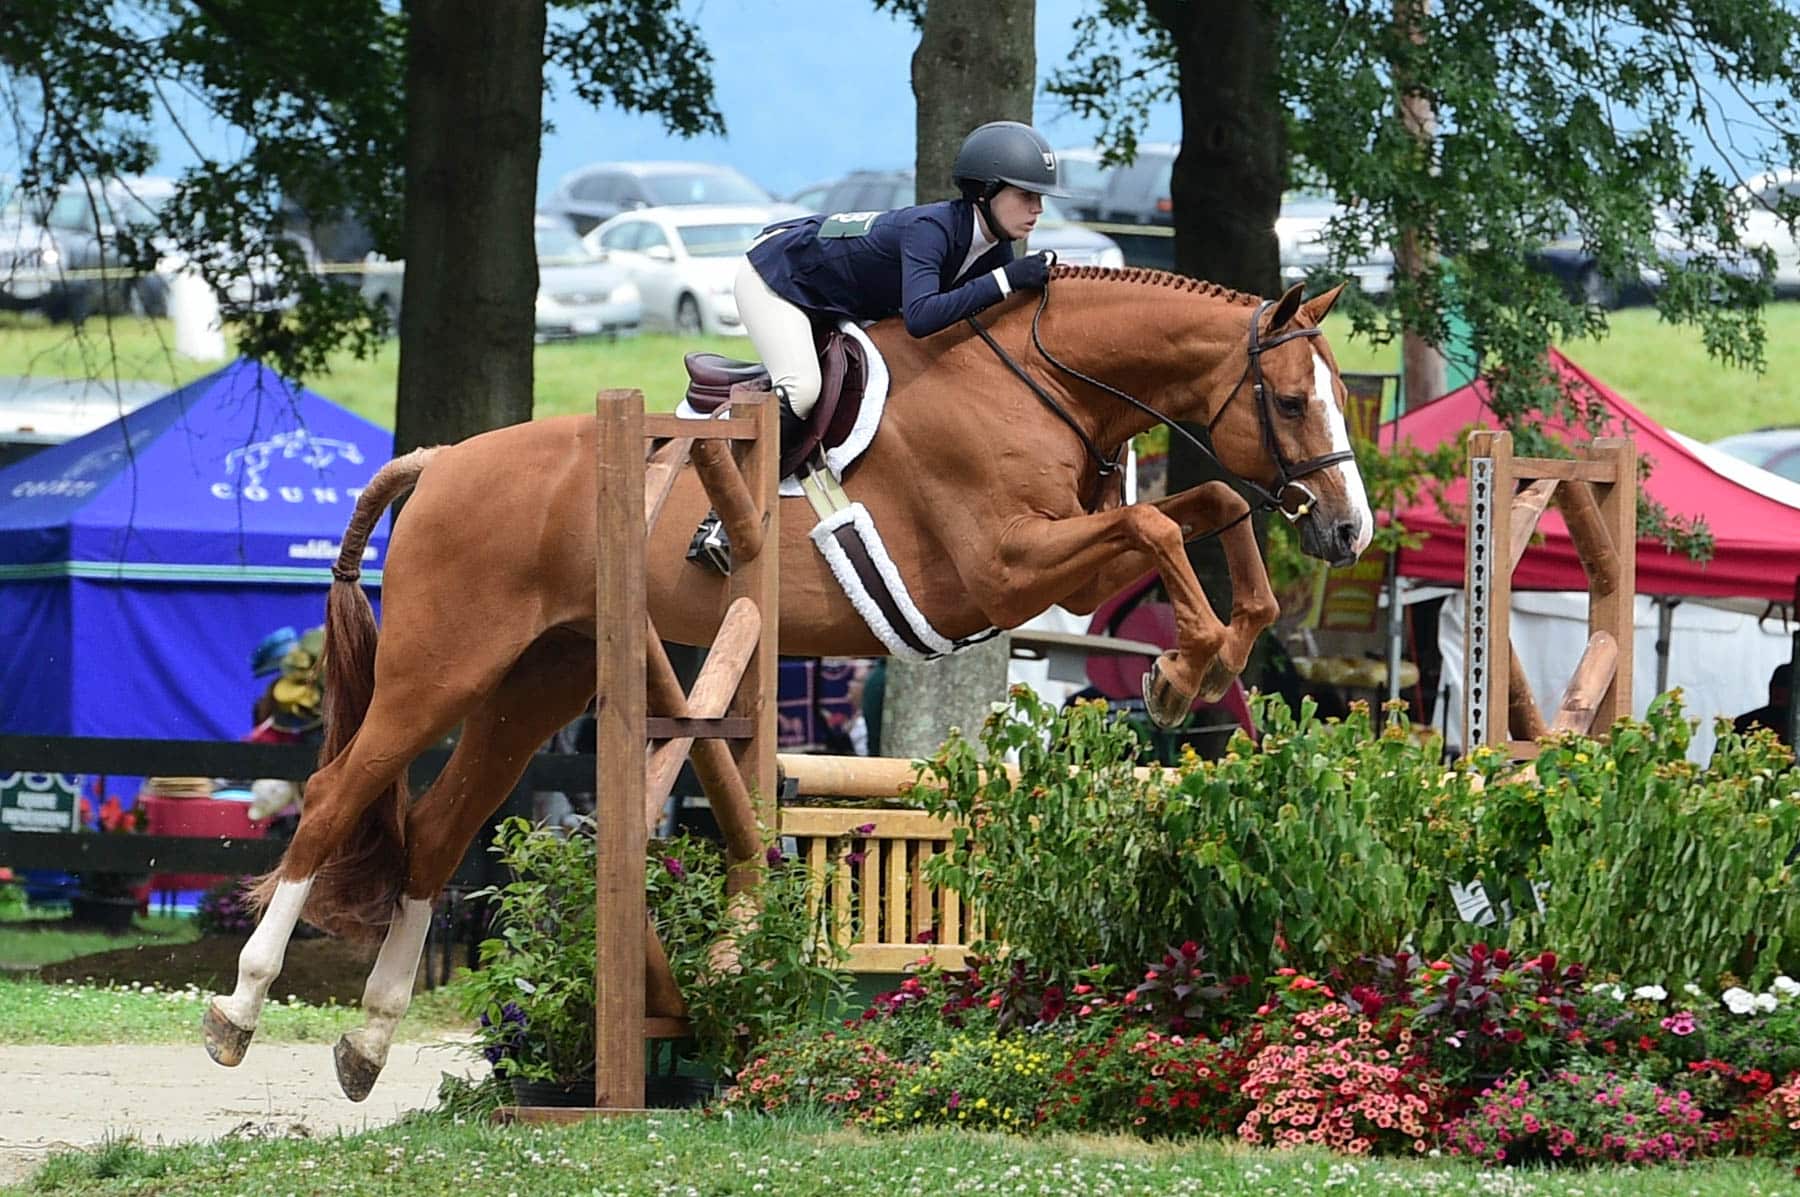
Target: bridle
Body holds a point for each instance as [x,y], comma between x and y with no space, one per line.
[1287,474]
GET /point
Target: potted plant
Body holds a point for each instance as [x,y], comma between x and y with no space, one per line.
[533,995]
[106,899]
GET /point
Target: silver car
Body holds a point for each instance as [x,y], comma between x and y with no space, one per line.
[579,294]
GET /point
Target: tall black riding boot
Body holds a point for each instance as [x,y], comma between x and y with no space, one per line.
[792,428]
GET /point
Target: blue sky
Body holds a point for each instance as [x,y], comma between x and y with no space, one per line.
[800,107]
[809,89]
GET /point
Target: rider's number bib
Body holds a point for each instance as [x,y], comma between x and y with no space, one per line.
[847,224]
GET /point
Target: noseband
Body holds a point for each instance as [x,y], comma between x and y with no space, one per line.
[1287,474]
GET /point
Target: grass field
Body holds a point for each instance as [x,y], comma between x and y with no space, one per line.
[33,946]
[681,1153]
[41,1012]
[1661,369]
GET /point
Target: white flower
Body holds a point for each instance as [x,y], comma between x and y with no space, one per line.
[1650,993]
[1785,984]
[1692,990]
[1616,993]
[1766,1002]
[1739,1001]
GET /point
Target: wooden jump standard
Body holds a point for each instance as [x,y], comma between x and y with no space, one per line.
[726,723]
[1597,496]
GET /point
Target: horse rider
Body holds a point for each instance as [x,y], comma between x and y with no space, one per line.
[932,264]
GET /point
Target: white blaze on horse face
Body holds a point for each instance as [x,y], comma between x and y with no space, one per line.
[1340,443]
[260,961]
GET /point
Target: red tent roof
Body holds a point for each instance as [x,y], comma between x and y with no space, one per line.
[1756,552]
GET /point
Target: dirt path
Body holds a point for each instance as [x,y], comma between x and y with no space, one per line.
[54,1097]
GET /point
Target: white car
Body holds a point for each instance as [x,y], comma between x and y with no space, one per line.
[1761,225]
[578,294]
[1301,231]
[684,261]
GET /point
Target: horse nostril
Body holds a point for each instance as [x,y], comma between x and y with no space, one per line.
[1344,535]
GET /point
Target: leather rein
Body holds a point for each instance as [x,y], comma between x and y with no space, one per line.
[1287,474]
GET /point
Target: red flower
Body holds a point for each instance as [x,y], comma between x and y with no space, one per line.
[1646,1044]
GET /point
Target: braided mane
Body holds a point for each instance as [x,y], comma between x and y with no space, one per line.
[1144,276]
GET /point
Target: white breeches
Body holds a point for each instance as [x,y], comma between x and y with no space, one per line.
[783,337]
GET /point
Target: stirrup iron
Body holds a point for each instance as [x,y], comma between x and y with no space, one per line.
[711,547]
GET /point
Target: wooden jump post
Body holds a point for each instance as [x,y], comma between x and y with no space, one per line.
[646,725]
[1596,493]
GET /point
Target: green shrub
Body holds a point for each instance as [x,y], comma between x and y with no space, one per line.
[534,992]
[1653,864]
[1330,840]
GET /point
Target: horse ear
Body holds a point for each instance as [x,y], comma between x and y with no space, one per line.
[1286,308]
[1319,305]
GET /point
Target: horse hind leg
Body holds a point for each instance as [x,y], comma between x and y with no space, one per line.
[549,686]
[403,720]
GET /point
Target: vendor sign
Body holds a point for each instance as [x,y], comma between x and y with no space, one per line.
[40,802]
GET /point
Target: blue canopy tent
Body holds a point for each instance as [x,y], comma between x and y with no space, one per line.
[141,564]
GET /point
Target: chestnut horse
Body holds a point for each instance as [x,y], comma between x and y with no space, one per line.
[979,490]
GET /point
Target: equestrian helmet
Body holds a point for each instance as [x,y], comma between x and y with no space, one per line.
[1002,152]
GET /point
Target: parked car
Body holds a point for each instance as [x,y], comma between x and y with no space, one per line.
[1140,193]
[1764,226]
[884,190]
[598,192]
[579,294]
[684,261]
[1776,450]
[1084,179]
[86,221]
[1301,230]
[30,260]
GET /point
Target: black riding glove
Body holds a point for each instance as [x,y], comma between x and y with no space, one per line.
[1028,273]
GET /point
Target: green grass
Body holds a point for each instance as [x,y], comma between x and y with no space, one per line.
[34,1011]
[674,1154]
[24,947]
[567,373]
[1663,370]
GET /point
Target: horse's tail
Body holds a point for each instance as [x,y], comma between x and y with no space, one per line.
[357,888]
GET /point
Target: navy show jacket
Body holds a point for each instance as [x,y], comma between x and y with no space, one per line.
[871,265]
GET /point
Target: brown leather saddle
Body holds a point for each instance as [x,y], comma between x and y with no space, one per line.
[843,373]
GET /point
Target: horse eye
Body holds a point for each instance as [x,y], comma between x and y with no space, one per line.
[1292,406]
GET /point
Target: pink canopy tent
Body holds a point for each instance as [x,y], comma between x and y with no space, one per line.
[1756,551]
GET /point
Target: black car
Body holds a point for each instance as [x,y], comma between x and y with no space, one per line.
[1139,193]
[594,194]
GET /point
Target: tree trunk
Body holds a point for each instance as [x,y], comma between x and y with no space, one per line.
[474,100]
[1421,365]
[975,63]
[1226,190]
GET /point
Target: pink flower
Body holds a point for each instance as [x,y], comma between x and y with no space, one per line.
[1680,1023]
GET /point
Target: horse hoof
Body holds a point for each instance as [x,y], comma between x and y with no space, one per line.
[356,1072]
[1216,681]
[1165,705]
[226,1042]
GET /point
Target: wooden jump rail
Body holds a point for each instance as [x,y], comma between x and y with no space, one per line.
[1596,493]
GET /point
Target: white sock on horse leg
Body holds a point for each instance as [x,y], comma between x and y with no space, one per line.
[390,987]
[260,961]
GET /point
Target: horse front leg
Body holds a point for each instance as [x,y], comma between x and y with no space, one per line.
[1039,561]
[1211,508]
